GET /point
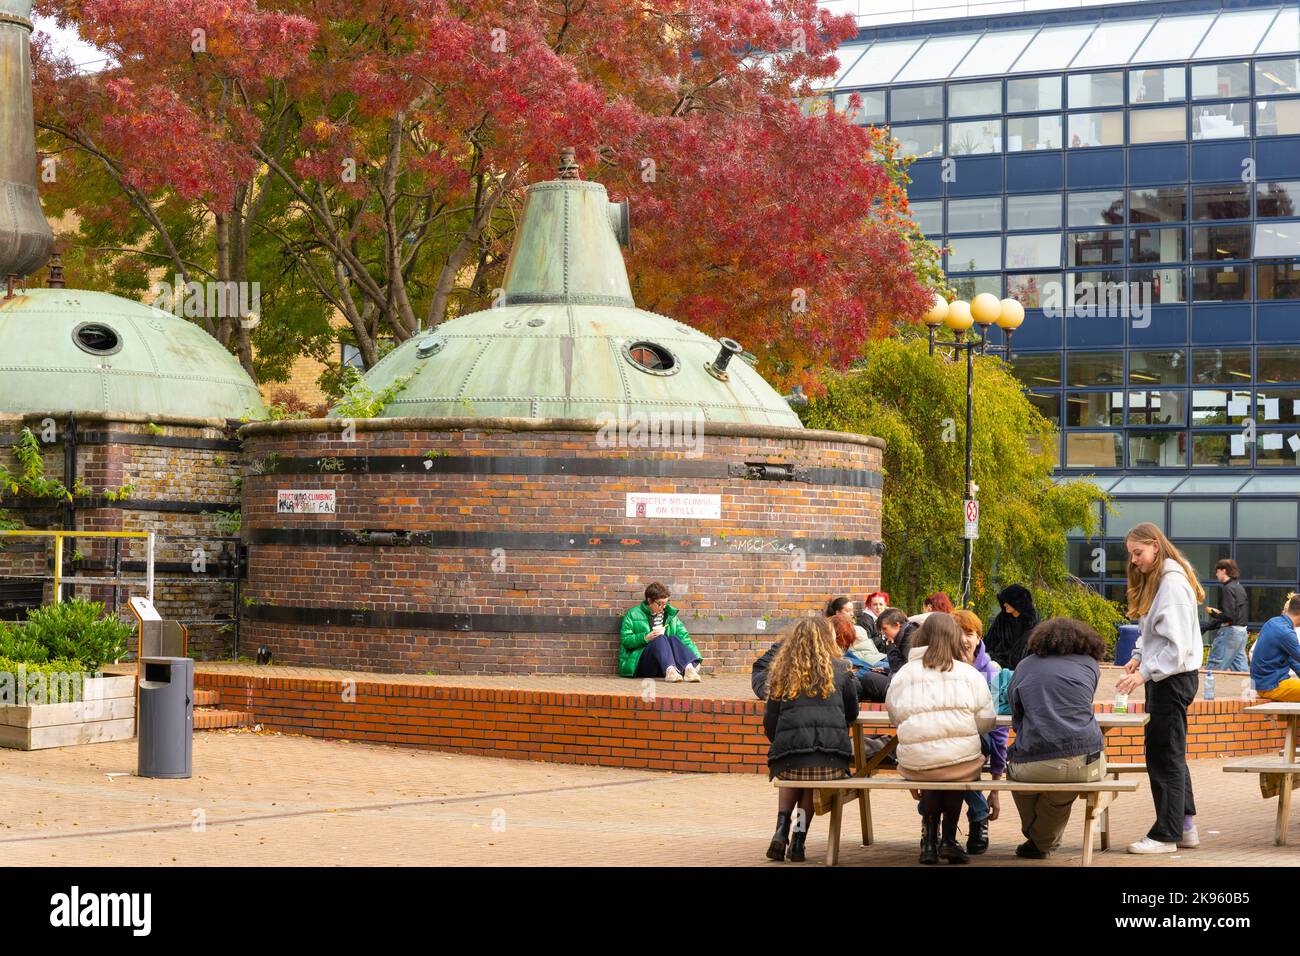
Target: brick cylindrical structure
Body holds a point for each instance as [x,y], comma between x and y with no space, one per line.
[483,545]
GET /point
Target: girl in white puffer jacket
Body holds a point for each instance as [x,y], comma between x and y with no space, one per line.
[940,705]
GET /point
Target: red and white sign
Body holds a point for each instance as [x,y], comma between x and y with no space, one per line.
[700,507]
[972,510]
[306,502]
[972,519]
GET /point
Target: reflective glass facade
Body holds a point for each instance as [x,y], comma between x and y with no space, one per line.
[1132,175]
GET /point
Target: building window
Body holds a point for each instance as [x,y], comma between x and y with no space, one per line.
[1158,204]
[1269,562]
[1221,366]
[1231,201]
[1157,449]
[1130,512]
[1221,284]
[919,141]
[1200,519]
[1157,245]
[1093,409]
[1221,120]
[1048,405]
[871,112]
[1093,450]
[975,215]
[1277,200]
[1277,406]
[1220,451]
[1095,208]
[1095,248]
[1266,519]
[1037,369]
[1089,369]
[974,137]
[1277,118]
[1033,291]
[1278,238]
[1220,242]
[1279,364]
[977,254]
[1220,81]
[1219,407]
[1160,85]
[909,103]
[1157,126]
[928,216]
[1033,132]
[1158,408]
[1167,285]
[1034,251]
[1035,211]
[1277,280]
[1090,90]
[1099,291]
[967,287]
[975,99]
[1277,76]
[1034,94]
[1157,367]
[1096,129]
[1277,449]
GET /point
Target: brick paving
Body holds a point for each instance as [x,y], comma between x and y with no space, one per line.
[268,799]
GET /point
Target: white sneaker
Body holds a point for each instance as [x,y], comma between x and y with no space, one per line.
[1148,845]
[673,675]
[1190,839]
[692,673]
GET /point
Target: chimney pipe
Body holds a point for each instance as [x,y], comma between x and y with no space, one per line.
[25,236]
[730,348]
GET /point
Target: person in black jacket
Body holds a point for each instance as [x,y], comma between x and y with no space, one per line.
[1009,632]
[812,700]
[758,672]
[1228,652]
[896,634]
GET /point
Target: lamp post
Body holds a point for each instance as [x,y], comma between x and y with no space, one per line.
[985,310]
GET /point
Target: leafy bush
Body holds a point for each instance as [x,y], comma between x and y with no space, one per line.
[63,683]
[76,630]
[17,646]
[361,401]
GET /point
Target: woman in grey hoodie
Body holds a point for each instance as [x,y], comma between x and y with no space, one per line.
[1163,595]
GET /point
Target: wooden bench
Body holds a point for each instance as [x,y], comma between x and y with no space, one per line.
[1115,769]
[1098,797]
[1276,777]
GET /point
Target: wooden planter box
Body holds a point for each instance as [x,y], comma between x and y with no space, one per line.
[106,713]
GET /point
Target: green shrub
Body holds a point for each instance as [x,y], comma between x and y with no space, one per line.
[76,630]
[17,646]
[63,683]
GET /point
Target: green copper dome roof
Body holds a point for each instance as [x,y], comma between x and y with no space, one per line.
[68,350]
[567,341]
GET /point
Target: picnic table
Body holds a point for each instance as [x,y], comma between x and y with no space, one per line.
[830,799]
[1276,777]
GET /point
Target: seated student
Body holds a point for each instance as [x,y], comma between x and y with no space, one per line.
[940,705]
[872,608]
[979,809]
[654,641]
[936,603]
[896,632]
[1006,637]
[861,649]
[812,701]
[1057,736]
[1277,655]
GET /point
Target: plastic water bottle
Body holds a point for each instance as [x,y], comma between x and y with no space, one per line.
[1121,703]
[1209,686]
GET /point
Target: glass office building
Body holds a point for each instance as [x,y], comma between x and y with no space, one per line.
[1062,153]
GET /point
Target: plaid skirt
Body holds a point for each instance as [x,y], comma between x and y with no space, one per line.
[812,774]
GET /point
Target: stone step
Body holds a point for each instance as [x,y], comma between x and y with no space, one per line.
[208,718]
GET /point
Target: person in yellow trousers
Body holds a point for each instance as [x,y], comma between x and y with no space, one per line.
[1277,656]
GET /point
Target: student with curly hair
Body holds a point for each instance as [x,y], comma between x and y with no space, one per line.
[812,699]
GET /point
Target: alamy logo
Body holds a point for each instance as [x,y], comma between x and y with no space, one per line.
[73,909]
[213,300]
[1112,300]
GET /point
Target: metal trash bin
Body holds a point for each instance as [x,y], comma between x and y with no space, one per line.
[165,717]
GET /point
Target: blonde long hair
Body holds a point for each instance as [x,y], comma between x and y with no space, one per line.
[805,663]
[1142,585]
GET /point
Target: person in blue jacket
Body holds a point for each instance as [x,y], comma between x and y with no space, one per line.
[1277,656]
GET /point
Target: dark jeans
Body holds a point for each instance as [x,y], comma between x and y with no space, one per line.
[872,687]
[663,652]
[1166,752]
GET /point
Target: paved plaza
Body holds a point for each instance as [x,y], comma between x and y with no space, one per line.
[270,799]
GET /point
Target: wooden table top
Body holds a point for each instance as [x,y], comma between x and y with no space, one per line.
[1278,709]
[1107,721]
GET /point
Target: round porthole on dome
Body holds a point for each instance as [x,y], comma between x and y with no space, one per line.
[96,338]
[430,346]
[651,358]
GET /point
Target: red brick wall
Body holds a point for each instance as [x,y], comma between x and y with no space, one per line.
[623,730]
[722,593]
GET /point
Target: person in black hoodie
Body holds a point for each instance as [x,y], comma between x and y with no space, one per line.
[812,700]
[1009,632]
[1229,622]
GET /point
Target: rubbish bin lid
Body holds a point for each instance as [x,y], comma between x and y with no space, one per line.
[166,660]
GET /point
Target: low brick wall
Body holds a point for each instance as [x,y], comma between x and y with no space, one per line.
[616,730]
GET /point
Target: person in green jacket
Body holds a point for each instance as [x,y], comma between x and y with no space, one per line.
[655,643]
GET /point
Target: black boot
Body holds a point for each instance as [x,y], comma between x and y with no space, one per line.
[929,840]
[797,839]
[949,849]
[978,841]
[776,850]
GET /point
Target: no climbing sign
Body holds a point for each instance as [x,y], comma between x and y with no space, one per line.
[972,519]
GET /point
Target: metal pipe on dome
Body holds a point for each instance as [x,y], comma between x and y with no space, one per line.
[25,235]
